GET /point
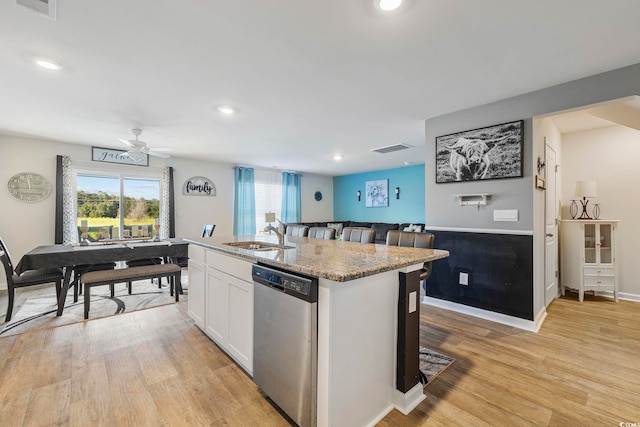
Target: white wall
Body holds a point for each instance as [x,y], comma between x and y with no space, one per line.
[608,156]
[24,226]
[192,212]
[313,210]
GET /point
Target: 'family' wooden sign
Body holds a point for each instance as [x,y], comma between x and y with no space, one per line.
[198,186]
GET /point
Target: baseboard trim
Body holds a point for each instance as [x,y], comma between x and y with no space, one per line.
[627,297]
[407,402]
[480,230]
[621,295]
[609,294]
[516,322]
[381,416]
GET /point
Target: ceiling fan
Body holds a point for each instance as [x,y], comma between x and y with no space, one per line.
[137,148]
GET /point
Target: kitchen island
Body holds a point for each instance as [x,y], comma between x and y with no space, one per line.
[366,294]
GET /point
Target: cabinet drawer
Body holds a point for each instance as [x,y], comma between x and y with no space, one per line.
[196,253]
[599,281]
[599,271]
[231,265]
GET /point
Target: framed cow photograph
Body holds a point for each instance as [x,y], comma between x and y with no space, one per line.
[493,152]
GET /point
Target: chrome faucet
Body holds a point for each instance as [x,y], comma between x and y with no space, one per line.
[278,233]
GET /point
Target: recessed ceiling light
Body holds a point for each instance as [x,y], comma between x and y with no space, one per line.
[337,157]
[389,5]
[225,109]
[48,64]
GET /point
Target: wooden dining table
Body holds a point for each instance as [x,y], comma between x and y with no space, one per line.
[68,256]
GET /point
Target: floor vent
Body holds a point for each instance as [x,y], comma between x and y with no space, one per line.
[391,148]
[46,8]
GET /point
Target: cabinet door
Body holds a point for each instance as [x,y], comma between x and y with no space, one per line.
[605,243]
[196,293]
[217,306]
[241,322]
[590,239]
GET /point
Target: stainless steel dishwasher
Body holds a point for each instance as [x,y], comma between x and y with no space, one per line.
[285,341]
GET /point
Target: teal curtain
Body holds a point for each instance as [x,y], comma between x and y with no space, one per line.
[244,204]
[290,197]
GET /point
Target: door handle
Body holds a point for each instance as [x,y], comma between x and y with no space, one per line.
[549,235]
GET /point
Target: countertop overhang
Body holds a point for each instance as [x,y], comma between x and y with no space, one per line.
[329,259]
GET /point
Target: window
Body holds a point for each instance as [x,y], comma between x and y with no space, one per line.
[116,206]
[268,193]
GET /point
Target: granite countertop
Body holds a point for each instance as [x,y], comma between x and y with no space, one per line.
[330,259]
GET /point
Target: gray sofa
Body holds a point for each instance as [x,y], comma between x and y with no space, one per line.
[381,228]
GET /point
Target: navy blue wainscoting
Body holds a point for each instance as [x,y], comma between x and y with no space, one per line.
[498,269]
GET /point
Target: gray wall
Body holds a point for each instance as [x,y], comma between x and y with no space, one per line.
[442,209]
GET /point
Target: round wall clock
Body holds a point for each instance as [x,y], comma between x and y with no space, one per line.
[318,195]
[29,187]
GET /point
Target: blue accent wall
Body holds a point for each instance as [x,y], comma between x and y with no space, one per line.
[409,208]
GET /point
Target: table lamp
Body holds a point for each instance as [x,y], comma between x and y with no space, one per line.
[270,217]
[585,189]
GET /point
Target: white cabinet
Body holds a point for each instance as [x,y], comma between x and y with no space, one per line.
[217,304]
[588,256]
[227,299]
[197,283]
[240,324]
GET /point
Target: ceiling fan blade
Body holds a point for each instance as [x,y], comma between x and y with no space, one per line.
[160,155]
[135,155]
[126,142]
[162,149]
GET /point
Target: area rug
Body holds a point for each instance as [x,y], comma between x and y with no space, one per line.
[432,364]
[39,312]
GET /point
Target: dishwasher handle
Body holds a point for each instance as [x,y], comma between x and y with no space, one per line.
[268,283]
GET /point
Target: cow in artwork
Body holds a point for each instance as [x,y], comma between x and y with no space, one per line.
[469,158]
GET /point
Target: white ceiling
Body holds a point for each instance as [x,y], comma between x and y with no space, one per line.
[623,112]
[310,79]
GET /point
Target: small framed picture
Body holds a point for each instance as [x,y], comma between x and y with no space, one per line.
[377,193]
[540,182]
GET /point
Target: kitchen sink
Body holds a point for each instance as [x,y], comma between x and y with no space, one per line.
[257,246]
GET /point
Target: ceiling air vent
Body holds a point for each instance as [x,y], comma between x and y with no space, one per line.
[46,8]
[391,148]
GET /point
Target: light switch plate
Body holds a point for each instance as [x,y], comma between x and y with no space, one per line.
[505,215]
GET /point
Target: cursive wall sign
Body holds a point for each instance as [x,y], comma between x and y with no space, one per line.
[198,186]
[110,155]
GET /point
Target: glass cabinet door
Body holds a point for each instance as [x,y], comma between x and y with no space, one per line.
[605,243]
[590,243]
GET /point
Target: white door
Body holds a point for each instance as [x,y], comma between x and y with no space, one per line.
[551,229]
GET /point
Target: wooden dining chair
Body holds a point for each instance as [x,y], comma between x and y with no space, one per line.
[28,278]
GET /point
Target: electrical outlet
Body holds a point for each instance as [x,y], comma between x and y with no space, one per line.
[413,299]
[463,279]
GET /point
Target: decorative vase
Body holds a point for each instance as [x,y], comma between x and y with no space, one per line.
[573,209]
[596,211]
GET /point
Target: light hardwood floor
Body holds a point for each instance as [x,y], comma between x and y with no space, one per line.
[153,367]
